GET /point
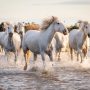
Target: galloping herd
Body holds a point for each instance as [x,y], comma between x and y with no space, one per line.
[13,38]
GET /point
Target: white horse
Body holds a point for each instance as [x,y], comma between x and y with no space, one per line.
[19,28]
[2,35]
[38,41]
[10,40]
[61,42]
[78,39]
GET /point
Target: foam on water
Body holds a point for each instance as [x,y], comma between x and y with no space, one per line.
[64,62]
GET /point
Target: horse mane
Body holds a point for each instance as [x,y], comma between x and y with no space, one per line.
[47,22]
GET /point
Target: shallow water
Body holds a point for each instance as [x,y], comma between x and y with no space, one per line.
[63,75]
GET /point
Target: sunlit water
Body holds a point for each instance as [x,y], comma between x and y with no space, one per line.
[63,75]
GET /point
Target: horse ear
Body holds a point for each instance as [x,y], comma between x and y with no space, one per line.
[80,21]
[53,18]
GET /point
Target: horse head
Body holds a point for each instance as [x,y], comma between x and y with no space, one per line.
[10,31]
[55,24]
[85,26]
[20,29]
[88,29]
[59,26]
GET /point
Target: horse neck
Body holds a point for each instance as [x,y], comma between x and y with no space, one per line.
[48,34]
[84,36]
[21,29]
[6,31]
[56,38]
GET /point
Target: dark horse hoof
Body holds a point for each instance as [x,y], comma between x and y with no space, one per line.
[25,67]
[59,59]
[44,72]
[81,61]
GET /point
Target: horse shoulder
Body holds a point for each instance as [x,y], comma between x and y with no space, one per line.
[30,37]
[73,38]
[80,39]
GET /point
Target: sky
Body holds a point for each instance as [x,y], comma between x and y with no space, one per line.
[20,10]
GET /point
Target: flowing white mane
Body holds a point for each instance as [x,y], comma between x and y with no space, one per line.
[47,22]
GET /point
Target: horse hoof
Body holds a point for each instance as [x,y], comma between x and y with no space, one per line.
[15,61]
[45,72]
[81,62]
[25,67]
[34,69]
[59,59]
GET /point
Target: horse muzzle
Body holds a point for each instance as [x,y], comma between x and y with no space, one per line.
[10,35]
[89,35]
[65,32]
[21,33]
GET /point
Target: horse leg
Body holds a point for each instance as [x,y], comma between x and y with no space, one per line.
[1,49]
[25,56]
[43,58]
[71,52]
[50,56]
[84,51]
[16,54]
[6,54]
[59,55]
[28,56]
[35,58]
[77,56]
[56,55]
[81,57]
[49,53]
[81,54]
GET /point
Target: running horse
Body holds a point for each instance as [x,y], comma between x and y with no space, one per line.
[38,41]
[78,40]
[10,41]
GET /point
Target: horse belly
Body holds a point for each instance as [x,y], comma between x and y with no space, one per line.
[72,42]
[34,48]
